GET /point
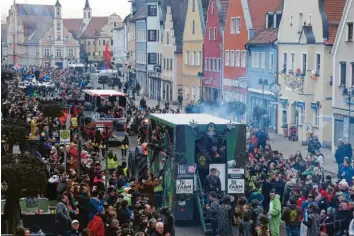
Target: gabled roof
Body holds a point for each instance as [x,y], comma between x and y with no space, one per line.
[225,9]
[39,32]
[3,33]
[258,10]
[87,5]
[93,29]
[74,26]
[35,10]
[30,23]
[334,10]
[266,36]
[349,6]
[179,13]
[141,14]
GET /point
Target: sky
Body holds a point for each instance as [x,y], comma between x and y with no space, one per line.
[73,8]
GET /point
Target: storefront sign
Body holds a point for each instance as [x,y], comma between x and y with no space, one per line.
[184,186]
[220,171]
[235,180]
[64,136]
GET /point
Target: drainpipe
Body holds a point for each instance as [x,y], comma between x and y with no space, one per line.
[277,95]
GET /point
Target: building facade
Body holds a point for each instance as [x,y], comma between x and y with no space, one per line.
[172,49]
[343,78]
[4,45]
[305,40]
[141,55]
[262,72]
[118,45]
[193,39]
[37,36]
[213,44]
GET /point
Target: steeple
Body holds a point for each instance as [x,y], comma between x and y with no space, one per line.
[87,5]
[57,4]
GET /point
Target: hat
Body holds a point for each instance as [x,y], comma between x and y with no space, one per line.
[75,222]
[100,209]
[53,179]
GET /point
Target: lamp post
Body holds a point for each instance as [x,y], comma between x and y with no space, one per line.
[348,93]
[275,89]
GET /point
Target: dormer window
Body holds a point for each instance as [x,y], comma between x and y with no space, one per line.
[350,31]
[89,15]
[310,19]
[301,20]
[58,13]
[213,8]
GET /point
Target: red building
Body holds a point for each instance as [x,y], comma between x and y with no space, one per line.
[213,40]
[245,18]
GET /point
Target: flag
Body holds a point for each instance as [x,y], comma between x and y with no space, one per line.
[107,56]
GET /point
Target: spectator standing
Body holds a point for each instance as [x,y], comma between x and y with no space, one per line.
[275,214]
[75,228]
[213,211]
[96,226]
[62,216]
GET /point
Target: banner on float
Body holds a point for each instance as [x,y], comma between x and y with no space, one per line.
[184,186]
[220,171]
[235,180]
[185,179]
[64,136]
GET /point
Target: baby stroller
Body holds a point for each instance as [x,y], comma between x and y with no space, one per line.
[293,132]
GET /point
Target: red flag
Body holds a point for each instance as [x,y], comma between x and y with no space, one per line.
[107,56]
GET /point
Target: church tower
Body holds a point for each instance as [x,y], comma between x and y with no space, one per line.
[58,23]
[87,13]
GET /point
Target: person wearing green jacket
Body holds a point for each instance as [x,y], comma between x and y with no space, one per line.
[309,170]
[274,214]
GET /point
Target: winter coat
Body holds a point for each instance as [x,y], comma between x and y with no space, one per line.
[275,213]
[313,224]
[93,207]
[96,226]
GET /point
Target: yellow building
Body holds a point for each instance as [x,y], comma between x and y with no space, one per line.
[193,50]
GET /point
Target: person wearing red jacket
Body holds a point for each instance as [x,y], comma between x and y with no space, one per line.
[96,225]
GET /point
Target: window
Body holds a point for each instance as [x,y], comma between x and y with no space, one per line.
[271,61]
[219,64]
[258,58]
[99,53]
[227,58]
[152,35]
[58,52]
[263,60]
[50,38]
[285,61]
[152,58]
[211,64]
[193,5]
[152,10]
[301,110]
[199,58]
[88,54]
[194,58]
[164,63]
[46,52]
[238,25]
[352,74]
[232,58]
[187,58]
[238,58]
[233,25]
[214,33]
[215,69]
[343,74]
[88,43]
[292,62]
[170,63]
[304,63]
[167,64]
[318,63]
[111,42]
[213,8]
[350,31]
[316,117]
[193,27]
[89,15]
[253,58]
[115,24]
[71,52]
[210,33]
[206,64]
[186,92]
[67,38]
[243,59]
[301,20]
[104,42]
[99,42]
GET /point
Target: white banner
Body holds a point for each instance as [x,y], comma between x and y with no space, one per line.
[184,186]
[64,136]
[236,186]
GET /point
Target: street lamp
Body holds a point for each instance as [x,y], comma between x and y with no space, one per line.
[275,89]
[348,93]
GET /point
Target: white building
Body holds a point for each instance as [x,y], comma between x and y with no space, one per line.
[119,45]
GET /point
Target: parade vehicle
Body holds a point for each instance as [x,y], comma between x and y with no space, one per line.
[94,113]
[181,150]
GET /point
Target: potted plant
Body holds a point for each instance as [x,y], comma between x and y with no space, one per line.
[285,130]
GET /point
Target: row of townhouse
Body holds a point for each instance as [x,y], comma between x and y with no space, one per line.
[292,60]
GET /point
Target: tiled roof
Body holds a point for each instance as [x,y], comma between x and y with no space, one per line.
[280,6]
[225,8]
[93,29]
[179,13]
[34,10]
[74,26]
[142,13]
[258,10]
[334,10]
[39,32]
[30,22]
[3,32]
[265,36]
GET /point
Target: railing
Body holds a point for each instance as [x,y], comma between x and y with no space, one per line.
[200,201]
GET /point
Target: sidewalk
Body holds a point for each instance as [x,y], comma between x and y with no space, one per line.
[283,145]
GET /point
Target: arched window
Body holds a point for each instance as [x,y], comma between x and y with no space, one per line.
[193,5]
[193,27]
[84,14]
[301,22]
[89,15]
[168,38]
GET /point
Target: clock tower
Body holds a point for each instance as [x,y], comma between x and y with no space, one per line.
[58,24]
